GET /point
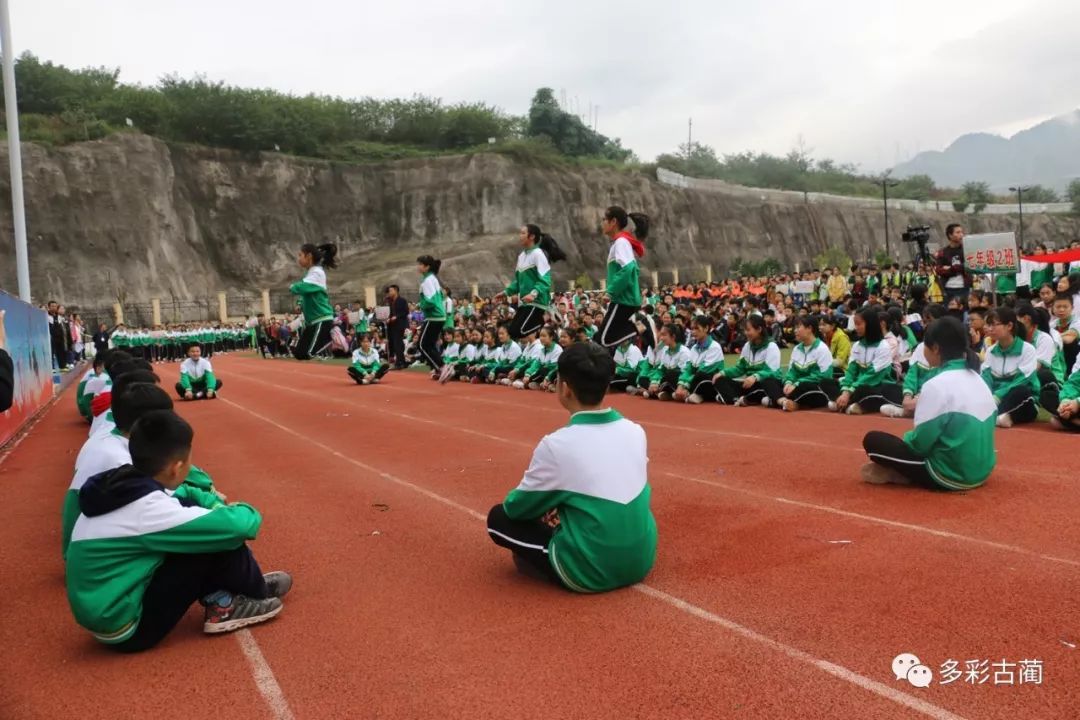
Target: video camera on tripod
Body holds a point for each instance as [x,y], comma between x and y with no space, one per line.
[920,235]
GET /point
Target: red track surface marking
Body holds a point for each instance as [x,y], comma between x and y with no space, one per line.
[404,609]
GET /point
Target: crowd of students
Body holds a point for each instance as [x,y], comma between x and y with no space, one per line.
[144,532]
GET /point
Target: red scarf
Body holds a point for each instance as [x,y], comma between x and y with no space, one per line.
[637,245]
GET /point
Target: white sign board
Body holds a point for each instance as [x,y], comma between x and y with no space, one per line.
[382,313]
[991,253]
[804,287]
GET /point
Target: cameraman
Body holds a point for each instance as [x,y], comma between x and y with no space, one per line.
[955,280]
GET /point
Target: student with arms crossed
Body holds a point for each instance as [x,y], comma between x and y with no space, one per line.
[580,518]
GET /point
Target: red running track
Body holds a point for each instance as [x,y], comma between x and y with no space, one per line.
[373,498]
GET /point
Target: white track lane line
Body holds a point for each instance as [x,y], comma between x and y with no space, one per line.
[837,671]
[732,488]
[263,676]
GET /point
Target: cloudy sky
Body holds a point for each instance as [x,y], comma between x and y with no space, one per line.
[863,81]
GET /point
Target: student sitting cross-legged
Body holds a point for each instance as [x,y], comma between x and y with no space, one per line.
[809,380]
[1065,405]
[1011,370]
[197,379]
[580,517]
[627,359]
[952,444]
[145,548]
[366,366]
[741,384]
[706,359]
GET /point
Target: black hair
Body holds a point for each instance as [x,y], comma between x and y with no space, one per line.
[158,438]
[871,317]
[702,321]
[550,331]
[830,319]
[894,319]
[122,382]
[101,359]
[757,322]
[136,400]
[393,286]
[948,337]
[950,227]
[433,263]
[587,368]
[810,322]
[116,357]
[325,255]
[917,292]
[935,311]
[546,243]
[1004,316]
[622,218]
[672,330]
[1064,296]
[1039,317]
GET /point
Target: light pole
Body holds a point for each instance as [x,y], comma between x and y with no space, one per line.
[1020,190]
[11,110]
[886,183]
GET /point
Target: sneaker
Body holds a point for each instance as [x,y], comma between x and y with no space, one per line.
[551,388]
[766,402]
[446,374]
[645,394]
[632,390]
[365,381]
[517,385]
[1004,420]
[232,612]
[740,402]
[199,396]
[662,395]
[534,386]
[893,411]
[278,583]
[695,399]
[504,381]
[854,409]
[832,406]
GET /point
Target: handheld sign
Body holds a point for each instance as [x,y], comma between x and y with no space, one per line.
[382,313]
[991,253]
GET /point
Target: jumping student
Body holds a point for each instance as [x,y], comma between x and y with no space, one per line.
[627,358]
[809,381]
[869,381]
[952,444]
[434,310]
[1011,370]
[623,284]
[197,379]
[142,552]
[544,365]
[918,372]
[695,384]
[741,384]
[314,300]
[1067,410]
[532,280]
[580,516]
[366,366]
[671,359]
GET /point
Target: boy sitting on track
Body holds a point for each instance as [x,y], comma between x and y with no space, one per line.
[366,366]
[197,380]
[580,517]
[145,548]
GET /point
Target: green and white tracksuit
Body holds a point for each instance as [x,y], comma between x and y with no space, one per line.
[532,278]
[623,284]
[627,359]
[544,365]
[1005,370]
[467,356]
[809,364]
[1049,355]
[432,301]
[82,397]
[197,374]
[706,359]
[529,353]
[954,427]
[762,361]
[314,299]
[367,363]
[128,525]
[1071,389]
[594,473]
[450,353]
[919,372]
[869,365]
[669,365]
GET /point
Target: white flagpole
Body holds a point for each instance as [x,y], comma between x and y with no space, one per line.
[11,110]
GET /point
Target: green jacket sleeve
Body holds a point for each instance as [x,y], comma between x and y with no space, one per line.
[196,496]
[512,288]
[542,286]
[622,280]
[226,527]
[305,288]
[740,369]
[198,478]
[922,438]
[912,381]
[211,381]
[1071,389]
[185,380]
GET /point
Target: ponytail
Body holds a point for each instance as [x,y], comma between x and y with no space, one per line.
[948,337]
[546,243]
[432,263]
[325,255]
[641,225]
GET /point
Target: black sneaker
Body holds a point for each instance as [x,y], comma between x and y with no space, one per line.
[240,612]
[278,583]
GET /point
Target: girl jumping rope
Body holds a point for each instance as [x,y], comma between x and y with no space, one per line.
[532,281]
[623,283]
[433,305]
[314,300]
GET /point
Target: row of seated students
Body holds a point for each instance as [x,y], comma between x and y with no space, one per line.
[144,532]
[1024,367]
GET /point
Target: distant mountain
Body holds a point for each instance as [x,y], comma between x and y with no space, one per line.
[1047,154]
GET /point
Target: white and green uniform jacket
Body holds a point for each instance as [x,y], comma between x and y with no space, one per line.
[197,371]
[367,363]
[529,353]
[1071,389]
[450,353]
[594,472]
[627,359]
[760,360]
[919,372]
[706,358]
[129,523]
[868,365]
[432,303]
[668,359]
[647,365]
[532,278]
[82,397]
[468,355]
[811,364]
[1004,370]
[954,427]
[314,299]
[507,355]
[1049,354]
[623,285]
[546,364]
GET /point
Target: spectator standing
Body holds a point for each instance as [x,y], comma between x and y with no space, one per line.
[954,278]
[101,339]
[396,325]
